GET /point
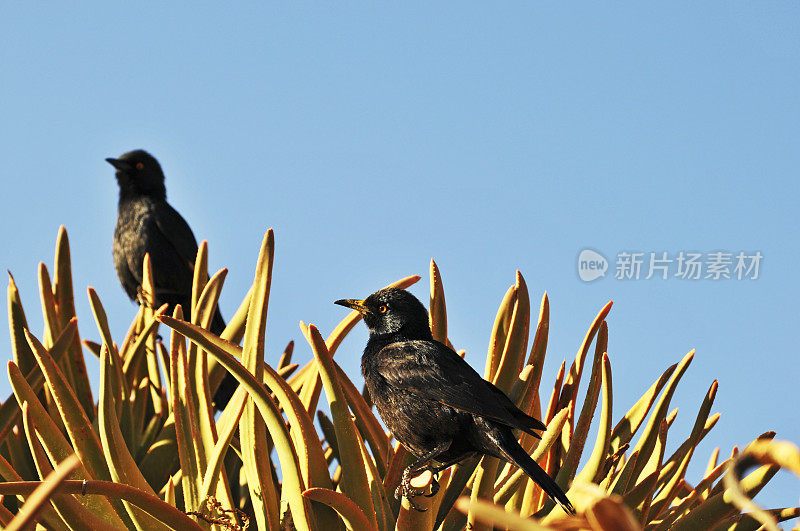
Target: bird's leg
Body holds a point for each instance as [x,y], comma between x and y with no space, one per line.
[422,463]
[436,470]
[141,297]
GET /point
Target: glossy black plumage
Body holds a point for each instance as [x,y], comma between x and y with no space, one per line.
[146,223]
[432,400]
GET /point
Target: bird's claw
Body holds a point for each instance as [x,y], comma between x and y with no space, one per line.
[434,488]
[406,490]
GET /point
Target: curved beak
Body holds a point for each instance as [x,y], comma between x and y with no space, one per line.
[118,164]
[357,305]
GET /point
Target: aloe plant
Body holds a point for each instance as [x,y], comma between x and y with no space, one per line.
[150,453]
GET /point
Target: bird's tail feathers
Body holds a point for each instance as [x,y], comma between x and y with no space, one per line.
[517,455]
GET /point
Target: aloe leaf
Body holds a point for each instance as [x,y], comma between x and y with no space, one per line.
[184,427]
[292,478]
[65,306]
[679,461]
[593,468]
[54,442]
[27,514]
[720,506]
[491,516]
[354,475]
[438,307]
[351,514]
[10,411]
[366,422]
[571,460]
[227,430]
[252,430]
[84,439]
[67,507]
[647,440]
[48,306]
[120,462]
[569,393]
[17,324]
[624,430]
[516,344]
[48,515]
[497,339]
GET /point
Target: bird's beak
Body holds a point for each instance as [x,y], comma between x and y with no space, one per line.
[119,164]
[357,305]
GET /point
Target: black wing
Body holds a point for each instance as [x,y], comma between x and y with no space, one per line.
[173,249]
[435,372]
[178,233]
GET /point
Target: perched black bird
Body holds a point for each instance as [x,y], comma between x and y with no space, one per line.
[146,223]
[432,401]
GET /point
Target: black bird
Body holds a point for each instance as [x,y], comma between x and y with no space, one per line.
[432,401]
[146,223]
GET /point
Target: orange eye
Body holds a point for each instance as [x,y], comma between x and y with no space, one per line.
[383,308]
[139,165]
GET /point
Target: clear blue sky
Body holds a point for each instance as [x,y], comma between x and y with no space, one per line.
[489,138]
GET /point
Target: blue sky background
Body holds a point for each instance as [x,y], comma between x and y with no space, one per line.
[374,138]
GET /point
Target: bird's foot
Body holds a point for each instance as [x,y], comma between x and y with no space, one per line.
[406,490]
[142,297]
[434,488]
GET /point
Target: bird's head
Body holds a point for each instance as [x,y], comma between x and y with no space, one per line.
[390,311]
[139,173]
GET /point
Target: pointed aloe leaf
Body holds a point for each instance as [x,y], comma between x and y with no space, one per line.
[366,422]
[354,475]
[292,479]
[137,349]
[569,393]
[185,428]
[65,306]
[79,428]
[199,276]
[438,307]
[9,411]
[67,507]
[120,462]
[679,461]
[17,324]
[720,506]
[101,320]
[516,344]
[252,430]
[647,440]
[54,442]
[48,306]
[592,470]
[27,515]
[227,430]
[306,442]
[497,340]
[575,450]
[48,516]
[623,432]
[539,347]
